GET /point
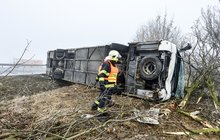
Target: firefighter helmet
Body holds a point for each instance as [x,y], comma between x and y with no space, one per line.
[115,55]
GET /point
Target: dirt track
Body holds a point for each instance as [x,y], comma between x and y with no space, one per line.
[50,110]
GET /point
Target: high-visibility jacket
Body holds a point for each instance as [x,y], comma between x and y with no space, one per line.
[108,75]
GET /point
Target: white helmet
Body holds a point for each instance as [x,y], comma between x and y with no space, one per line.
[115,55]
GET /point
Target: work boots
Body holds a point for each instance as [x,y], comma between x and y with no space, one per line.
[108,104]
[94,106]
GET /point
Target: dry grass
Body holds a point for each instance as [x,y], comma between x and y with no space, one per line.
[57,113]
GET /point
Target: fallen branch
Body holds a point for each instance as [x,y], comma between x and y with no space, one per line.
[5,135]
[205,131]
[190,90]
[200,97]
[195,131]
[68,130]
[196,118]
[16,133]
[177,133]
[44,132]
[202,131]
[103,125]
[13,134]
[214,95]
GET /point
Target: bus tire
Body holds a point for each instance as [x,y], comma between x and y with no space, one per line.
[150,67]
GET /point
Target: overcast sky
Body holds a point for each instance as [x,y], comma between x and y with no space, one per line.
[52,24]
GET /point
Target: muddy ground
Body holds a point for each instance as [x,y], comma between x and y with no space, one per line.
[35,107]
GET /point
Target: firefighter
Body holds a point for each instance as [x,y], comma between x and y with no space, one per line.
[107,78]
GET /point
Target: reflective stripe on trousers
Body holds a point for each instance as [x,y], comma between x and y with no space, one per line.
[101,110]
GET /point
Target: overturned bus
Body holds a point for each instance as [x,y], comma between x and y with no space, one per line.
[151,70]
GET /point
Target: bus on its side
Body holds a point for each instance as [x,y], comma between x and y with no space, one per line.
[151,70]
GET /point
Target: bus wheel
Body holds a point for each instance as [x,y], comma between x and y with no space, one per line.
[150,67]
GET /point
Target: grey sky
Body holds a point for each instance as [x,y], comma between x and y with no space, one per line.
[52,24]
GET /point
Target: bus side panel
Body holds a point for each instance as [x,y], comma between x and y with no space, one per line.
[87,61]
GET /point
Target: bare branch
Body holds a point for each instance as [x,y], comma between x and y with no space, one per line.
[28,44]
[95,128]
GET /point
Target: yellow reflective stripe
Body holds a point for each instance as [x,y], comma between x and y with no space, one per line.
[109,85]
[97,102]
[112,80]
[101,79]
[112,77]
[104,72]
[101,109]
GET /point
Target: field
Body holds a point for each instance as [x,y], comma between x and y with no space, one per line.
[35,107]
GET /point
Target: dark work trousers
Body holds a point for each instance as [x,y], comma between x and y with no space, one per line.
[105,97]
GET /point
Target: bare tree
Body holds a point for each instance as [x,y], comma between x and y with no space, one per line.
[159,28]
[205,56]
